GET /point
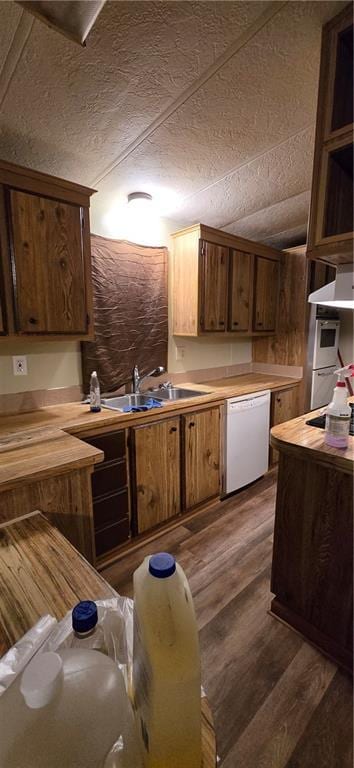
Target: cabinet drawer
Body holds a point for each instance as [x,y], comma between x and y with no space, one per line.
[109,478]
[110,537]
[112,444]
[110,509]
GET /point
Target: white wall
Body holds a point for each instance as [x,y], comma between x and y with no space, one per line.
[50,365]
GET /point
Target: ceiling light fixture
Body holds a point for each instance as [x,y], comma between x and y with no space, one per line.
[139,196]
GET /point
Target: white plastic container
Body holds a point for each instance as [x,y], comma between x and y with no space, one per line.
[65,711]
[338,415]
[166,666]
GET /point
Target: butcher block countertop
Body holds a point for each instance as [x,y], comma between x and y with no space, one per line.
[305,441]
[46,442]
[40,573]
[38,454]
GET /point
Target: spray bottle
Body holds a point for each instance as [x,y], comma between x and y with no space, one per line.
[338,412]
[95,394]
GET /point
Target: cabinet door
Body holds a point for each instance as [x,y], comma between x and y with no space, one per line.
[48,265]
[157,472]
[201,456]
[240,294]
[214,276]
[284,406]
[265,294]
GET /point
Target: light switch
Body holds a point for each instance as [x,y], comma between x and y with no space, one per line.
[179,353]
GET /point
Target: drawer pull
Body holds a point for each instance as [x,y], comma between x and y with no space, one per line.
[173,429]
[191,424]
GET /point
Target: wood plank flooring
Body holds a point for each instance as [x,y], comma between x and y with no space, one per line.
[276,701]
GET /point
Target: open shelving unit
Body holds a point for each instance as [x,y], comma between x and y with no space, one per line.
[330,236]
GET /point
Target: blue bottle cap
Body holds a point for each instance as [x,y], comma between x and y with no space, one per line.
[84,616]
[162,565]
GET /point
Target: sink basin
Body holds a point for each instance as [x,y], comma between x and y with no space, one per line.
[170,393]
[176,393]
[118,403]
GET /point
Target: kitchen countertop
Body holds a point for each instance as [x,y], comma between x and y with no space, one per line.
[297,437]
[46,441]
[40,573]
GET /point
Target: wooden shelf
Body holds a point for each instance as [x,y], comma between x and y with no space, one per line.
[330,236]
[338,214]
[342,111]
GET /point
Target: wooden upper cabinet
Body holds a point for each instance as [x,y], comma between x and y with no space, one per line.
[215,261]
[213,284]
[156,473]
[266,292]
[48,262]
[240,290]
[45,255]
[201,440]
[330,236]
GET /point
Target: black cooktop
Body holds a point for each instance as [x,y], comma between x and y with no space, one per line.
[319,421]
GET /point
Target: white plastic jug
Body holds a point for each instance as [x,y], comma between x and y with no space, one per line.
[65,711]
[166,665]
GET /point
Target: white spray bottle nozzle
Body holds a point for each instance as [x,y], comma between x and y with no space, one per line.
[346,372]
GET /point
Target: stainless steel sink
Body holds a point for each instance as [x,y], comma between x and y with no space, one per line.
[118,403]
[176,393]
[170,393]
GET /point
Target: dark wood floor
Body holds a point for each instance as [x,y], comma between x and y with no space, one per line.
[276,701]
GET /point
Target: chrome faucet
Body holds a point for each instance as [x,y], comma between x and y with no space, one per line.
[137,379]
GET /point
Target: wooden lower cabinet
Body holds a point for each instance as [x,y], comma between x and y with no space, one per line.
[312,570]
[284,405]
[156,473]
[201,448]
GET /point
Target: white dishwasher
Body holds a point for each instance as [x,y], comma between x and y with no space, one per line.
[247,439]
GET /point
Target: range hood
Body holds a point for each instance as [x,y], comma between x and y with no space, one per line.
[340,293]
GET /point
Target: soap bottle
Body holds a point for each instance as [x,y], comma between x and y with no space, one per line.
[166,666]
[338,415]
[87,633]
[95,394]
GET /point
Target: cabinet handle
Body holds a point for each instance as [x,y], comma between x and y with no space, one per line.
[221,322]
[278,400]
[32,320]
[173,429]
[234,323]
[191,424]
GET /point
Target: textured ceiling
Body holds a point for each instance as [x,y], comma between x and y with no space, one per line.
[213,102]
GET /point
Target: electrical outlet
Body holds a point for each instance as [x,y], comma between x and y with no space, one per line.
[179,353]
[19,365]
